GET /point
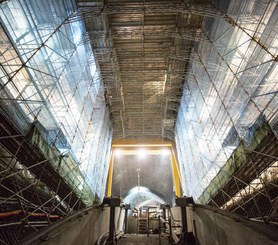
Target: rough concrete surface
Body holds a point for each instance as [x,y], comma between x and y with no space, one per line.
[133,239]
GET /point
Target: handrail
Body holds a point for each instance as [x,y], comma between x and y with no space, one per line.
[249,223]
[72,217]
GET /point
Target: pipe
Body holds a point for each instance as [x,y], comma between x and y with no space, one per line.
[44,215]
[11,213]
[19,212]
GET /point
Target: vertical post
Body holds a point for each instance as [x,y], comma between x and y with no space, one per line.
[148,220]
[110,174]
[111,225]
[175,172]
[164,214]
[170,226]
[125,221]
[127,207]
[182,202]
[159,229]
[184,222]
[112,203]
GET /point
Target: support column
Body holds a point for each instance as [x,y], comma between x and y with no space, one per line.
[187,237]
[110,174]
[112,203]
[176,174]
[126,207]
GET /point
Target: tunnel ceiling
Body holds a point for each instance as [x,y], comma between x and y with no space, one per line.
[143,48]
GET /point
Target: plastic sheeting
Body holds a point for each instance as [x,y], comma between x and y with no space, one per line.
[65,165]
[49,75]
[234,163]
[230,87]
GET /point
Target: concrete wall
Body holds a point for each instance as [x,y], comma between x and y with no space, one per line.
[214,227]
[82,229]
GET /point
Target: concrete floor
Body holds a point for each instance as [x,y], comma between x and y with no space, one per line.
[132,239]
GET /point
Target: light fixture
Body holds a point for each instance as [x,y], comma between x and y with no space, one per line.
[118,152]
[142,153]
[165,152]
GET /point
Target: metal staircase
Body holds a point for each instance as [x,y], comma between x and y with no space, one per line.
[142,226]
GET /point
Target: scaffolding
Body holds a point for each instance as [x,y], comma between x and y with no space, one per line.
[55,127]
[229,107]
[143,49]
[202,74]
